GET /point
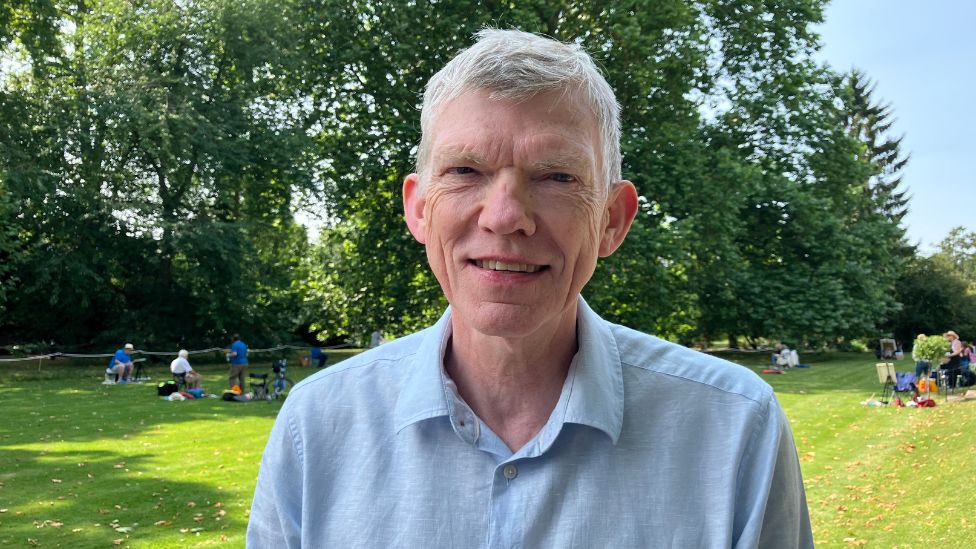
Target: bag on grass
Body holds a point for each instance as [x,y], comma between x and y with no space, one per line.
[166,388]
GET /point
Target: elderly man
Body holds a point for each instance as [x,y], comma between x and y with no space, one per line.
[522,419]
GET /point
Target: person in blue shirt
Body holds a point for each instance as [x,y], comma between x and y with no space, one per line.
[318,355]
[237,356]
[120,365]
[522,418]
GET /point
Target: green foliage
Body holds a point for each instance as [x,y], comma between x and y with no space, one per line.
[936,297]
[870,124]
[958,252]
[154,154]
[930,348]
[155,169]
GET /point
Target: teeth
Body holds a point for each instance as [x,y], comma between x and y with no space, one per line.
[502,266]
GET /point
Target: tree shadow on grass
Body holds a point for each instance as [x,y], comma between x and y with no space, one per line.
[75,454]
[99,498]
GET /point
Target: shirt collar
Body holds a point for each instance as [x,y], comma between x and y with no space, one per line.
[592,394]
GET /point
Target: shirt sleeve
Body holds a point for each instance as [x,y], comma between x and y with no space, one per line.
[276,511]
[772,499]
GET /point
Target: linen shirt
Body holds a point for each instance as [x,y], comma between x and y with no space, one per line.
[649,445]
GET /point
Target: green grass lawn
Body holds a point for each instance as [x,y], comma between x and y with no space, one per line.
[87,465]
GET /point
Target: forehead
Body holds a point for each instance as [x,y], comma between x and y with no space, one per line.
[475,124]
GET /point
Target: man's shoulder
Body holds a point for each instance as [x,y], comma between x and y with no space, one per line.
[649,356]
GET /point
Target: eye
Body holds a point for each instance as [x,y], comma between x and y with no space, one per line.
[562,177]
[460,170]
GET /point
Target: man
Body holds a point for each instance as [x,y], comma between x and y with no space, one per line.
[181,369]
[237,355]
[522,419]
[120,365]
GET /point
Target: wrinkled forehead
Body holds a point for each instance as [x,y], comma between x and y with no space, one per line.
[485,112]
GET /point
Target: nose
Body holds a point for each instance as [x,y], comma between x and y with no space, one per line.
[507,207]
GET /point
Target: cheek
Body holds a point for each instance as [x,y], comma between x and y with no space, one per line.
[588,217]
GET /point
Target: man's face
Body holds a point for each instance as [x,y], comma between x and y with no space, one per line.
[511,210]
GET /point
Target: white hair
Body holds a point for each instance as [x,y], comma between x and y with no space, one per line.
[511,64]
[184,353]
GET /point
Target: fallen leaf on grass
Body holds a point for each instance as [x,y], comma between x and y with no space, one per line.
[162,523]
[118,541]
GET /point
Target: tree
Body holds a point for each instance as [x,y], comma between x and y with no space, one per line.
[156,168]
[934,299]
[870,123]
[958,250]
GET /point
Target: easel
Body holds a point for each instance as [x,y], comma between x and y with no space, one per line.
[886,375]
[137,374]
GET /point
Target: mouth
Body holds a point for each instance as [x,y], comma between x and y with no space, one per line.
[492,265]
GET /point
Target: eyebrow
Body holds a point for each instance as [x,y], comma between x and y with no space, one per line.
[559,161]
[459,155]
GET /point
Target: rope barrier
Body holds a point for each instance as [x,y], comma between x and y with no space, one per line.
[54,356]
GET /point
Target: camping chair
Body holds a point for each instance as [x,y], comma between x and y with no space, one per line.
[180,380]
[888,348]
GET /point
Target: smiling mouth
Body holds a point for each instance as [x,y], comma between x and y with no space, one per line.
[511,267]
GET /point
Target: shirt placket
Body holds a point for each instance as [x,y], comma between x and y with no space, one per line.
[508,499]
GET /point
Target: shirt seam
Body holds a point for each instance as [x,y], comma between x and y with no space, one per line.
[757,399]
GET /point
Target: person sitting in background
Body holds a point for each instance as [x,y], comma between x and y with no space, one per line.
[951,366]
[121,364]
[318,355]
[183,371]
[782,357]
[970,352]
[966,357]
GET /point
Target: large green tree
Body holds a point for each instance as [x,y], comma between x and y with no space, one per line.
[154,154]
[156,166]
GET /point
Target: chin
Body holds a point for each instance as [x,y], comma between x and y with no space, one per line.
[506,320]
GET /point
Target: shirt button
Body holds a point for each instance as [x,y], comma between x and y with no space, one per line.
[510,471]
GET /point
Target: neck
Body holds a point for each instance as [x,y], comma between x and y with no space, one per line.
[512,384]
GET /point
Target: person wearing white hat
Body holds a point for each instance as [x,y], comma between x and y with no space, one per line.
[121,364]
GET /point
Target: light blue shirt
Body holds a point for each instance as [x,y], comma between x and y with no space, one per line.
[650,445]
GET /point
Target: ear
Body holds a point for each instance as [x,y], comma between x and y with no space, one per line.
[621,209]
[413,208]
